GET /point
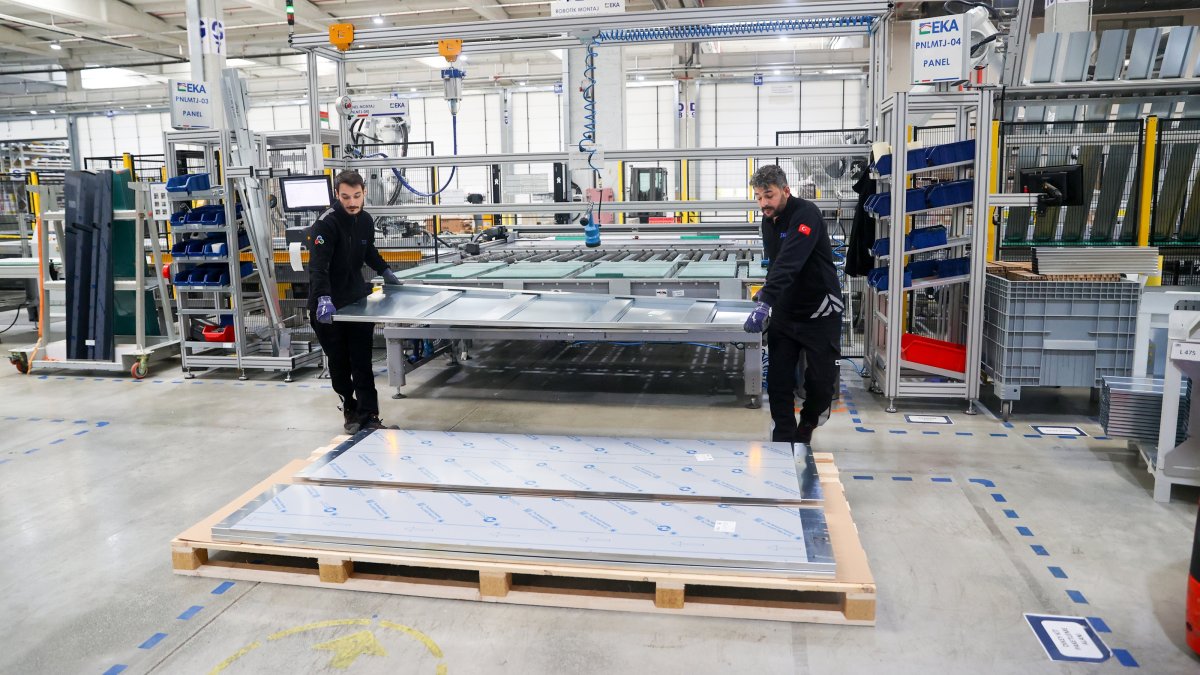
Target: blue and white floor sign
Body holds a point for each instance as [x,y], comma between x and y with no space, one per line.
[1068,638]
[1057,431]
[927,419]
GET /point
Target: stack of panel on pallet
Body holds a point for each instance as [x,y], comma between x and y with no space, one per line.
[700,504]
[1108,260]
[1131,407]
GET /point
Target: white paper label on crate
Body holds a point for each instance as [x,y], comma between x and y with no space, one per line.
[677,294]
[940,49]
[89,343]
[1185,351]
[927,419]
[1058,431]
[704,457]
[586,7]
[725,526]
[1068,638]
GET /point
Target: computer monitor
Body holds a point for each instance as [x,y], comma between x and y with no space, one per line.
[306,193]
[1058,185]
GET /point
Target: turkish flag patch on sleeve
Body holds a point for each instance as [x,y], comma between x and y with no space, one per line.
[805,230]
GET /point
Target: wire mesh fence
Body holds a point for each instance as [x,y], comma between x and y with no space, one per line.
[1109,154]
[1175,219]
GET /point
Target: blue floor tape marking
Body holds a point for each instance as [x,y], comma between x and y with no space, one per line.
[31,451]
[1125,658]
[1024,531]
[864,430]
[57,441]
[1034,436]
[864,478]
[101,424]
[120,667]
[856,420]
[1098,624]
[996,496]
[1008,425]
[1077,597]
[80,433]
[964,433]
[1057,572]
[938,479]
[998,435]
[932,433]
[982,481]
[1040,550]
[152,640]
[1068,438]
[190,612]
[225,585]
[904,478]
[897,431]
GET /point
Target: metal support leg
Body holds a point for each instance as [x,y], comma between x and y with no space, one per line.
[752,374]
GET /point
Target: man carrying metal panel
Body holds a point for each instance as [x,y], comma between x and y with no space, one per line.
[802,299]
[343,240]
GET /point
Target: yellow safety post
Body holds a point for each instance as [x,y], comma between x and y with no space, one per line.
[749,190]
[1150,152]
[127,162]
[620,195]
[327,152]
[993,188]
[162,173]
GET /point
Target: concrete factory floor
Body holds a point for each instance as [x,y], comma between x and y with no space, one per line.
[97,474]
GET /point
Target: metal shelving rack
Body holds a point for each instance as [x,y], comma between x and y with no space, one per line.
[133,356]
[259,341]
[959,316]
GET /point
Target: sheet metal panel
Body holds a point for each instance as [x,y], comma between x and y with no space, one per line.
[709,269]
[629,270]
[787,540]
[436,305]
[573,466]
[536,270]
[463,271]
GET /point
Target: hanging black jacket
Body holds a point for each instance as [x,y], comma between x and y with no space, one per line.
[339,245]
[862,232]
[802,283]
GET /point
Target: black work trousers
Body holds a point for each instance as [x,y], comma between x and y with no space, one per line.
[817,341]
[348,347]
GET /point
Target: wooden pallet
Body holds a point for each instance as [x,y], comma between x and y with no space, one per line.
[847,599]
[1023,271]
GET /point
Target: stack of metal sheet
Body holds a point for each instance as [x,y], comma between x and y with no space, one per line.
[721,505]
[1131,407]
[1096,260]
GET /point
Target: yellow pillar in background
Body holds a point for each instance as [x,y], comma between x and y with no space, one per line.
[620,194]
[993,188]
[127,162]
[1150,155]
[749,190]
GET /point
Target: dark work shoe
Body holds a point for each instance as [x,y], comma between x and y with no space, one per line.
[804,433]
[373,422]
[351,419]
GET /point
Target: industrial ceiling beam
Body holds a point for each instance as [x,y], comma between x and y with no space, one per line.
[108,13]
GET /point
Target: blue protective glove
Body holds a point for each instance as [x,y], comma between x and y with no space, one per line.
[389,278]
[757,321]
[325,309]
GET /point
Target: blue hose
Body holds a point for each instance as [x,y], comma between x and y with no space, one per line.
[400,177]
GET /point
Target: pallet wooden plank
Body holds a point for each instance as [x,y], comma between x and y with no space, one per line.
[668,595]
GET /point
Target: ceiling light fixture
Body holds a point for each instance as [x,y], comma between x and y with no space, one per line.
[55,45]
[53,111]
[378,20]
[641,78]
[775,72]
[32,112]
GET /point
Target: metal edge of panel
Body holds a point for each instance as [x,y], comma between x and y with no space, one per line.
[814,525]
[812,493]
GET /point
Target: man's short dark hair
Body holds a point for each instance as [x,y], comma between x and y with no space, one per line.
[348,177]
[769,176]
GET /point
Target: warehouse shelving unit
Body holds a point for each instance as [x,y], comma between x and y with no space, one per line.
[954,313]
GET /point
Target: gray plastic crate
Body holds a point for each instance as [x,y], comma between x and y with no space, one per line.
[1057,333]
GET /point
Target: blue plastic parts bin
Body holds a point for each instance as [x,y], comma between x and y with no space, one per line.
[881,204]
[927,237]
[928,158]
[878,278]
[950,194]
[954,267]
[192,182]
[950,153]
[922,269]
